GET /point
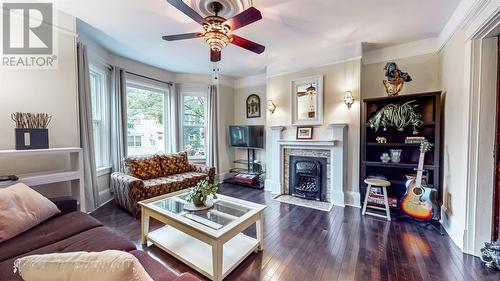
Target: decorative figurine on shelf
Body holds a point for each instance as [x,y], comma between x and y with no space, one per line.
[395,79]
[381,140]
[396,115]
[490,254]
[198,195]
[385,158]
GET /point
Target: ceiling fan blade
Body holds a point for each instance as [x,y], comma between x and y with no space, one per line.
[246,17]
[183,7]
[215,56]
[247,44]
[181,36]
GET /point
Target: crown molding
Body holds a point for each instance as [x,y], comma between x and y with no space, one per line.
[467,12]
[250,81]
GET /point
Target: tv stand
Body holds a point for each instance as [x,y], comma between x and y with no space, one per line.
[253,167]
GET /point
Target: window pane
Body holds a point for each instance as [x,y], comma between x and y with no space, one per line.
[145,121]
[194,141]
[97,100]
[194,110]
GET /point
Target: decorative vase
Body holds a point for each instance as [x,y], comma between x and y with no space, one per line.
[385,158]
[396,155]
[199,201]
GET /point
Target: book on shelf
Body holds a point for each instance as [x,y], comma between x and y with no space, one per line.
[379,200]
[415,140]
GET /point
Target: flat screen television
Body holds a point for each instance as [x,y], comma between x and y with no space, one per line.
[246,136]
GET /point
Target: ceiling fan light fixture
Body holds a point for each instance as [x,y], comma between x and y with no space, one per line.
[311,90]
[216,33]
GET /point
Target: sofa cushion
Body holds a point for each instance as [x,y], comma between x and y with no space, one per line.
[163,185]
[22,208]
[174,163]
[50,231]
[110,265]
[143,167]
[155,269]
[93,240]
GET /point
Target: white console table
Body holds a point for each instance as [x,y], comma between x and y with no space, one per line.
[74,174]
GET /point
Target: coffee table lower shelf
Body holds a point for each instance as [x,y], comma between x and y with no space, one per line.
[198,254]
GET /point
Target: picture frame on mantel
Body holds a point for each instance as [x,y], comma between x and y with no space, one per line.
[307,101]
[305,133]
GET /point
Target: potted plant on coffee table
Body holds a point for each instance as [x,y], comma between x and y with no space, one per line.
[198,195]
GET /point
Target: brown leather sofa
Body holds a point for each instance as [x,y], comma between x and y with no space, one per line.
[154,175]
[72,231]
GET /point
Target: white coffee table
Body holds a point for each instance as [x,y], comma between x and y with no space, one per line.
[209,241]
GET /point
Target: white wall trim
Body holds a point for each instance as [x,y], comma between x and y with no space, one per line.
[466,13]
[315,66]
[250,81]
[411,49]
[105,196]
[480,26]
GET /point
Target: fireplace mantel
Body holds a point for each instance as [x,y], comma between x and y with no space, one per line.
[307,142]
[337,146]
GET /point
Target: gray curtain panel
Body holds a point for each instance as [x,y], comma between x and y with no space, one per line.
[86,132]
[212,134]
[118,119]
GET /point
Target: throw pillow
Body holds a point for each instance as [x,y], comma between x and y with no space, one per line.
[22,208]
[110,265]
[143,167]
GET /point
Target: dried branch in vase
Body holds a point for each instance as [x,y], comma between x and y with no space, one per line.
[31,120]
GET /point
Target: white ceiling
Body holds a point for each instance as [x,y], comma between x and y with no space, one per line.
[295,32]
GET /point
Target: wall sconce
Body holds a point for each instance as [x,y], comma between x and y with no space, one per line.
[348,99]
[271,106]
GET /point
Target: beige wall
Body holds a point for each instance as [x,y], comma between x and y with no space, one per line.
[50,91]
[455,137]
[240,117]
[337,78]
[424,71]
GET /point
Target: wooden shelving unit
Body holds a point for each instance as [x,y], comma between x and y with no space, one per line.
[429,106]
[74,173]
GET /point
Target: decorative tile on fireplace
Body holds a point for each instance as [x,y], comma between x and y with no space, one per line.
[313,153]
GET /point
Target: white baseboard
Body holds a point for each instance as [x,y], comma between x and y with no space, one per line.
[105,195]
[352,198]
[223,176]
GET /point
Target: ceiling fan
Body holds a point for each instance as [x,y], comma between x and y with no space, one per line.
[217,30]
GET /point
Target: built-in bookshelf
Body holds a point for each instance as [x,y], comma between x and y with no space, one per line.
[429,106]
[73,174]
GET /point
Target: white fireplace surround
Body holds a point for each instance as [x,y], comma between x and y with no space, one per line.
[337,146]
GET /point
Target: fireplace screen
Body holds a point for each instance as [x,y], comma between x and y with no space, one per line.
[308,177]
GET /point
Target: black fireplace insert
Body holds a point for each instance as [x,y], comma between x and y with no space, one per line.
[308,176]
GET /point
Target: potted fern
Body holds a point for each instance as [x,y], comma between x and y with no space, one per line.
[198,194]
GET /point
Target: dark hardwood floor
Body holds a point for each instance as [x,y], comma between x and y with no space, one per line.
[304,244]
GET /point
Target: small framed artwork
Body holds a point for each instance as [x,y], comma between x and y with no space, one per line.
[304,133]
[253,106]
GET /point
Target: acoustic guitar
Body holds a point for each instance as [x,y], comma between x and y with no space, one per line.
[417,201]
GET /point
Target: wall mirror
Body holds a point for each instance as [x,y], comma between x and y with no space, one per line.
[307,101]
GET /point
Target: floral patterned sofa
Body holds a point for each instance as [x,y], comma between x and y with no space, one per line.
[153,175]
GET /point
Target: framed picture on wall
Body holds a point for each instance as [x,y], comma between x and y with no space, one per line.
[253,106]
[304,133]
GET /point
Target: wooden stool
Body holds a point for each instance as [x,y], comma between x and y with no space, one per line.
[383,184]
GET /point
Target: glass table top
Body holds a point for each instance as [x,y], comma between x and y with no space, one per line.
[221,214]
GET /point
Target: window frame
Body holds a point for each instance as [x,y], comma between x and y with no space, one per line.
[194,93]
[153,87]
[102,148]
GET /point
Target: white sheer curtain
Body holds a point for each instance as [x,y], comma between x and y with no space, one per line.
[118,119]
[86,132]
[212,128]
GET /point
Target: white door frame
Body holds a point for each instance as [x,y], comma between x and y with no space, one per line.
[484,24]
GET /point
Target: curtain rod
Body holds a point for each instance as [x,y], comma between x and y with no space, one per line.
[145,77]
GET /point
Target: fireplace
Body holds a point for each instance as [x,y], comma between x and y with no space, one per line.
[308,177]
